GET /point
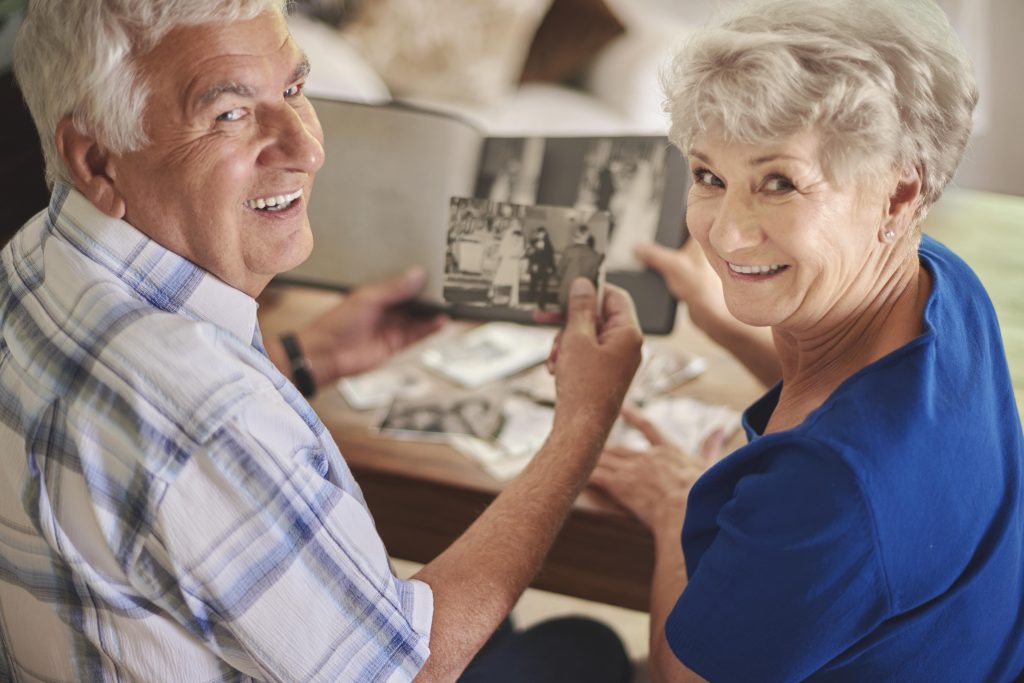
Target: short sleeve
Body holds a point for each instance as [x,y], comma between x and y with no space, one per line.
[275,568]
[792,576]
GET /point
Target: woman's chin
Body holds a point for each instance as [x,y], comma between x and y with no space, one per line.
[754,315]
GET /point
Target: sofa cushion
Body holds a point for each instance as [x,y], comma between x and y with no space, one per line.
[451,49]
[571,34]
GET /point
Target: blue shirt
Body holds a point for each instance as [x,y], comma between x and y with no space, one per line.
[882,539]
[171,509]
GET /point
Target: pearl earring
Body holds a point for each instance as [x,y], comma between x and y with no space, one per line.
[889,235]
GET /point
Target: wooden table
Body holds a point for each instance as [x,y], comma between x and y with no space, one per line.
[424,495]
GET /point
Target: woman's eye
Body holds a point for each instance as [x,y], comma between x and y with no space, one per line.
[777,183]
[232,115]
[702,176]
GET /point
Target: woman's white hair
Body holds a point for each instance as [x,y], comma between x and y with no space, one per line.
[80,58]
[884,82]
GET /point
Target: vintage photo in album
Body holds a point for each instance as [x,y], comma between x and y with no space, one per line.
[396,191]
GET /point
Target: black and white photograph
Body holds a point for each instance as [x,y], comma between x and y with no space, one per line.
[510,170]
[521,257]
[475,414]
[626,178]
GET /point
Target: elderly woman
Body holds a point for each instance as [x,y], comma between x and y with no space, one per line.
[873,527]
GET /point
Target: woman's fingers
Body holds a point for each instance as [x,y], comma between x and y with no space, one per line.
[636,420]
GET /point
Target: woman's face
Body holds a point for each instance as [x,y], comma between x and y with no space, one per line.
[793,250]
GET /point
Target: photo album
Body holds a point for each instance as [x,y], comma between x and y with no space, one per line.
[501,224]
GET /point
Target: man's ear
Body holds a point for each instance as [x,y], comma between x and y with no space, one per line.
[89,164]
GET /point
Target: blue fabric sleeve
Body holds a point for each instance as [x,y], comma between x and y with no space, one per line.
[793,576]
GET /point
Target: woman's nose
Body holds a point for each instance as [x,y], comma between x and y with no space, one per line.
[736,225]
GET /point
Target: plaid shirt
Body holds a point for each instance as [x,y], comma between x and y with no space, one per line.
[171,509]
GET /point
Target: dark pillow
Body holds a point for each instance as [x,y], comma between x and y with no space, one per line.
[570,35]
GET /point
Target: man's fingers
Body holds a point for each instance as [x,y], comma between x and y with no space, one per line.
[618,308]
[397,289]
[415,329]
[582,308]
[548,317]
[552,358]
[636,420]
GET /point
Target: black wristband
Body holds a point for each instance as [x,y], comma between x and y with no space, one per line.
[302,374]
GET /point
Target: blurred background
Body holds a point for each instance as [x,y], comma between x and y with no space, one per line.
[550,66]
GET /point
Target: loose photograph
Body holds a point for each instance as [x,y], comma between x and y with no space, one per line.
[521,257]
[475,414]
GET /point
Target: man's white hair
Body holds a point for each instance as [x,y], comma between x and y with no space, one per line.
[81,58]
[885,83]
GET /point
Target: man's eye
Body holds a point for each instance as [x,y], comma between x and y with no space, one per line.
[293,91]
[232,115]
[702,176]
[777,183]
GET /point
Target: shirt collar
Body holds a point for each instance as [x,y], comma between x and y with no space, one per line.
[163,278]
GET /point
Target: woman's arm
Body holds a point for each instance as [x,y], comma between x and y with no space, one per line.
[654,486]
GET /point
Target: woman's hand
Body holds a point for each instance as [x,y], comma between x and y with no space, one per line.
[693,281]
[690,278]
[654,484]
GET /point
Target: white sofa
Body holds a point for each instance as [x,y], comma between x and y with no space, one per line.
[619,92]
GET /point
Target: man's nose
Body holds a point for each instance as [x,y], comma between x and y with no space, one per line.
[294,139]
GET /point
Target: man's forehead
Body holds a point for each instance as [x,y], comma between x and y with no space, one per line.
[214,50]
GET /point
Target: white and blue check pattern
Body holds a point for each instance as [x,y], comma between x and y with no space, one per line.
[171,509]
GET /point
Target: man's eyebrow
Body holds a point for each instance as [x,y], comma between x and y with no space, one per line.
[210,95]
[301,71]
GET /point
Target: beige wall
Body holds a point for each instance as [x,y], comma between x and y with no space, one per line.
[995,157]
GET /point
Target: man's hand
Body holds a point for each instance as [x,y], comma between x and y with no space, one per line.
[594,361]
[654,484]
[365,329]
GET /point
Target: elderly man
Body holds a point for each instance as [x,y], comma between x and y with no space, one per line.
[170,506]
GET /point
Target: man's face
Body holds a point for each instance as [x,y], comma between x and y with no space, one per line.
[232,140]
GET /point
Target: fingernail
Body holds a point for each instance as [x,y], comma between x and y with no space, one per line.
[416,274]
[580,287]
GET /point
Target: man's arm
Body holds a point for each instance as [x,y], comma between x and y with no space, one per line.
[478,579]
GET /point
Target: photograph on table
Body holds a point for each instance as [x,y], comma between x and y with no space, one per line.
[451,411]
[520,257]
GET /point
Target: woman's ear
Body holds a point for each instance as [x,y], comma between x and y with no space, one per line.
[89,164]
[903,199]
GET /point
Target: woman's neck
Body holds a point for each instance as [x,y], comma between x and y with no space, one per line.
[816,361]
